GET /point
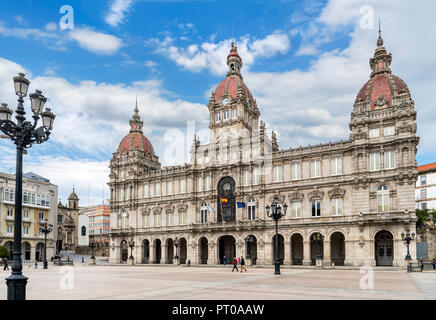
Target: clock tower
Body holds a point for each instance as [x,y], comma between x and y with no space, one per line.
[233,111]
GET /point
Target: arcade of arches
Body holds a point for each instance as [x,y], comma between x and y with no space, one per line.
[297,248]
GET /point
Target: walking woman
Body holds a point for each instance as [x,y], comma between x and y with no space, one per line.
[235,264]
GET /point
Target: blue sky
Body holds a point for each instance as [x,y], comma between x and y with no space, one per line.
[304,62]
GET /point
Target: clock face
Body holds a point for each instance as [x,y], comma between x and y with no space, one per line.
[225,101]
[226,186]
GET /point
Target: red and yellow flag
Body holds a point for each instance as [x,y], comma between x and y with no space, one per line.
[224,200]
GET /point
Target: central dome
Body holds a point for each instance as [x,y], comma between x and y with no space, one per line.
[233,84]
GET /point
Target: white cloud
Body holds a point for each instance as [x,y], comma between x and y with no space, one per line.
[117,12]
[211,56]
[96,42]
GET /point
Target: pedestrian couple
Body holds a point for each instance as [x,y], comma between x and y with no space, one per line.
[241,261]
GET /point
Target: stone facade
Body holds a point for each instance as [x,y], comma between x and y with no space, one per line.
[68,219]
[357,193]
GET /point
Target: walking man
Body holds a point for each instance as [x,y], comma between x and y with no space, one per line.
[434,263]
[243,265]
[5,263]
[224,260]
[422,265]
[235,264]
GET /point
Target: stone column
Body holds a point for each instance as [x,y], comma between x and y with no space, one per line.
[152,258]
[349,252]
[306,253]
[287,258]
[164,254]
[176,257]
[327,254]
[191,253]
[32,253]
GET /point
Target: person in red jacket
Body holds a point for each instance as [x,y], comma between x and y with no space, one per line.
[235,264]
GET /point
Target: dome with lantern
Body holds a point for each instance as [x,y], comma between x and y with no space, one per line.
[135,139]
[383,88]
[233,85]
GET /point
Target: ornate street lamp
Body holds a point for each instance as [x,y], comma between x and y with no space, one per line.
[407,237]
[176,256]
[23,133]
[131,245]
[276,214]
[45,228]
[92,245]
[318,238]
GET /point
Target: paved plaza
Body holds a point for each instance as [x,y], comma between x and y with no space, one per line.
[217,283]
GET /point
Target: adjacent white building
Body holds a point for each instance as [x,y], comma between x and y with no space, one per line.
[425,193]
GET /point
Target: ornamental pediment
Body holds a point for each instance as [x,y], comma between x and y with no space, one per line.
[315,194]
[169,208]
[182,207]
[336,193]
[296,196]
[281,198]
[156,209]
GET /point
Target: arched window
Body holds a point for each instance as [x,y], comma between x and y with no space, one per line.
[203,213]
[383,199]
[83,231]
[251,209]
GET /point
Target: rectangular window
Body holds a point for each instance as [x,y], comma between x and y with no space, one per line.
[374,133]
[157,222]
[25,230]
[423,206]
[182,217]
[38,200]
[182,186]
[146,220]
[47,201]
[296,171]
[296,209]
[157,189]
[25,213]
[33,198]
[389,158]
[226,115]
[208,182]
[200,184]
[10,228]
[423,180]
[389,130]
[383,202]
[146,191]
[336,165]
[423,193]
[337,207]
[169,221]
[41,216]
[256,176]
[10,212]
[246,152]
[234,113]
[217,117]
[169,187]
[316,208]
[246,178]
[203,215]
[315,168]
[25,197]
[374,161]
[277,173]
[251,210]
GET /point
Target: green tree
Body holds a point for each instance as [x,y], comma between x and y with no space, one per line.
[4,252]
[423,215]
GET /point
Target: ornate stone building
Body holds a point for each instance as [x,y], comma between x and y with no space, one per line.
[68,218]
[358,194]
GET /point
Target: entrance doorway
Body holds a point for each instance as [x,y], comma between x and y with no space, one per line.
[384,248]
[157,251]
[170,251]
[203,250]
[182,250]
[337,248]
[297,249]
[227,247]
[146,251]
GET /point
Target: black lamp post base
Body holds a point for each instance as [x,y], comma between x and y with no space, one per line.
[45,265]
[16,287]
[408,257]
[277,267]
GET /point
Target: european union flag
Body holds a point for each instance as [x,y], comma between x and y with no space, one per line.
[240,204]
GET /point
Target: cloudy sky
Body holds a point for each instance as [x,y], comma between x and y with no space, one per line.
[304,62]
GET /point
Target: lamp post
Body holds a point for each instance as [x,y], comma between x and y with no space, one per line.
[92,245]
[176,256]
[45,228]
[276,214]
[318,238]
[407,237]
[131,245]
[23,133]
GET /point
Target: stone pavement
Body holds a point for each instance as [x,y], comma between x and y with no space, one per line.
[184,283]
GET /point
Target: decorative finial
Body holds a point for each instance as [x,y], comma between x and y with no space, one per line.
[380,39]
[379,28]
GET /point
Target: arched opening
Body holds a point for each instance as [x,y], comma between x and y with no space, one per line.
[337,248]
[297,249]
[251,248]
[226,202]
[281,249]
[145,251]
[124,251]
[39,251]
[157,251]
[316,247]
[170,251]
[384,248]
[182,250]
[10,246]
[25,247]
[227,248]
[203,250]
